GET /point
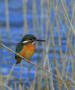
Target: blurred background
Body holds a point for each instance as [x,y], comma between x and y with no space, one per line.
[52,20]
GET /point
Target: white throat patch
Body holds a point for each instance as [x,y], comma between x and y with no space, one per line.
[33,42]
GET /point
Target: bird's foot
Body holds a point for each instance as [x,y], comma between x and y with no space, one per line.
[29,61]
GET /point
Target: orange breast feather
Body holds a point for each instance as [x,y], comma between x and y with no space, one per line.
[28,51]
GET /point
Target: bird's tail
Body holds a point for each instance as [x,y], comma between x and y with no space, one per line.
[18,60]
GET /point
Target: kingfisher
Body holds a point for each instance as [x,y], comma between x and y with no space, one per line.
[26,47]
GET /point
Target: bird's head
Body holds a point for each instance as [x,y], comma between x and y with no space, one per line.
[29,38]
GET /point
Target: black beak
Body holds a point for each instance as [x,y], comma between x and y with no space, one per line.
[41,40]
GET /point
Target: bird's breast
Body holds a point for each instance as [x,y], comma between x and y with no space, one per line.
[28,51]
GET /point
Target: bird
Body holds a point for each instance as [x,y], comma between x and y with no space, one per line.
[26,47]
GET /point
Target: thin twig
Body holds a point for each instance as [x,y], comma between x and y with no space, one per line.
[65,13]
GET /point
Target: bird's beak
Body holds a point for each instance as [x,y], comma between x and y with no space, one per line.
[41,40]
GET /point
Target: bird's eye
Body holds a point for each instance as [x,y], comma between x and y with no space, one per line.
[31,39]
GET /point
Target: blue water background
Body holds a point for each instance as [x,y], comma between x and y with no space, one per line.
[11,38]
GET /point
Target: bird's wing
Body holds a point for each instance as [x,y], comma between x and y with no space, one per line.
[19,47]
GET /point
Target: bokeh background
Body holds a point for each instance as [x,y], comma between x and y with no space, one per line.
[52,20]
